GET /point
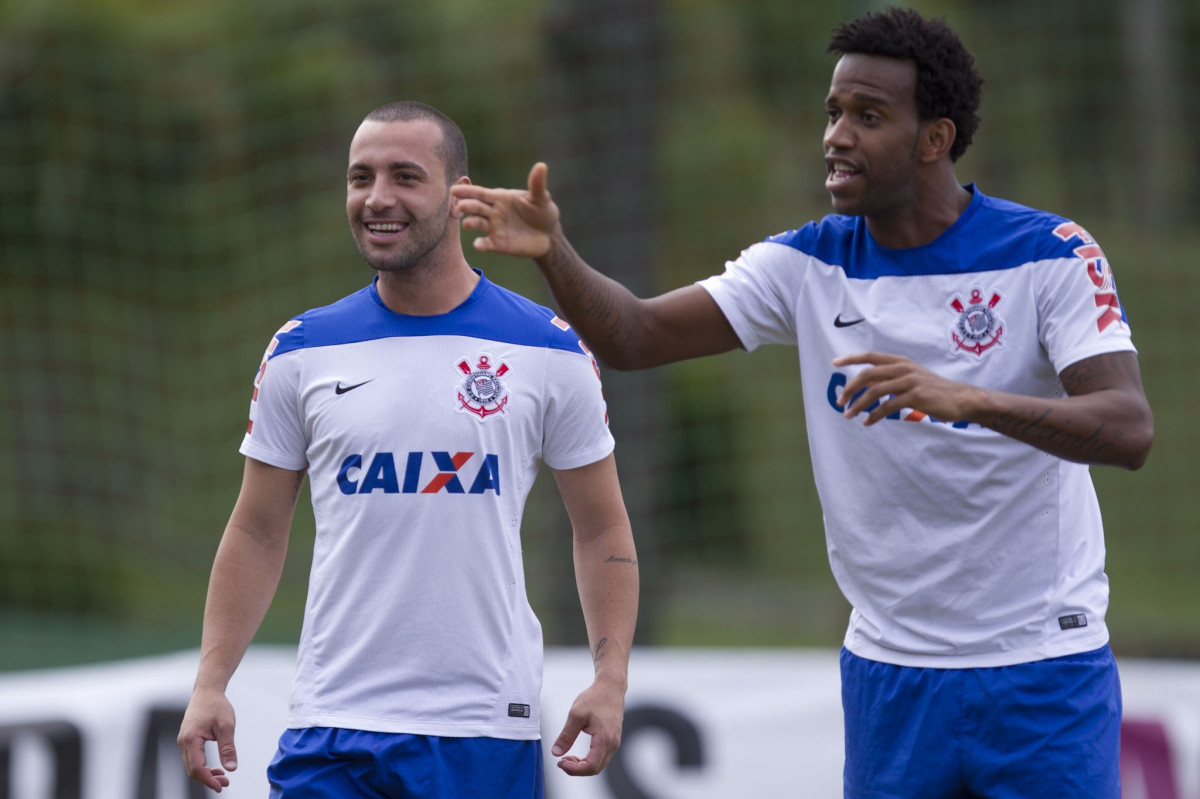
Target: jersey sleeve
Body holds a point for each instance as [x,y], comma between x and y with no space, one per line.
[576,426]
[1080,314]
[757,293]
[275,434]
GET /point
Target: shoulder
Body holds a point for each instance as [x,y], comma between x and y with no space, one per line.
[505,315]
[499,314]
[491,312]
[1017,234]
[829,239]
[324,325]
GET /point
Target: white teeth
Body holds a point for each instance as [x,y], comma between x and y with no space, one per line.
[385,227]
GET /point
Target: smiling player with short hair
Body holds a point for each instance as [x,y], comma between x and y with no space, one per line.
[420,408]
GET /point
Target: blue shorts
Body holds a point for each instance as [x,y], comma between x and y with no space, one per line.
[1051,728]
[324,762]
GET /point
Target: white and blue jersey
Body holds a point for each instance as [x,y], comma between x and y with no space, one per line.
[422,436]
[957,546]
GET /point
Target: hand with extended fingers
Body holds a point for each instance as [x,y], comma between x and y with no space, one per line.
[512,221]
[897,382]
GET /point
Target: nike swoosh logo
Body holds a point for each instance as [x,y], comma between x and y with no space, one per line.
[340,389]
[839,322]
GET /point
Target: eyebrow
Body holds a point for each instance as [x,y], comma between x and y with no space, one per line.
[865,98]
[395,166]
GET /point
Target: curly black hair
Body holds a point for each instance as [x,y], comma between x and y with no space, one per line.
[948,84]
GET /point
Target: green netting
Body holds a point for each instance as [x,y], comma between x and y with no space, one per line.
[170,192]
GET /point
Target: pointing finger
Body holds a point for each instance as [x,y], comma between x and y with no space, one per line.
[473,207]
[537,182]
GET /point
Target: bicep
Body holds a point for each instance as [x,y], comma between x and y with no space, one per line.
[1108,387]
[1112,371]
[592,497]
[266,501]
[686,323]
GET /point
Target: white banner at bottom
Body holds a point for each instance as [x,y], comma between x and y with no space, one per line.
[699,723]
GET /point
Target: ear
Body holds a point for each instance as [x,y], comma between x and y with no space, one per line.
[937,137]
[454,212]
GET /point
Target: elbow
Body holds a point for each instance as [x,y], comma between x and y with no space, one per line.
[1140,452]
[616,361]
[1137,448]
[624,359]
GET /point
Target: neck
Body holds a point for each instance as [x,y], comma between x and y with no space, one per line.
[934,208]
[428,289]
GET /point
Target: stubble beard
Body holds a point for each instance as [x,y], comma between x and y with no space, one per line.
[424,240]
[889,197]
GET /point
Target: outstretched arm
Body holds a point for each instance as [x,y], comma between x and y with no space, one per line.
[244,577]
[624,331]
[1104,419]
[606,572]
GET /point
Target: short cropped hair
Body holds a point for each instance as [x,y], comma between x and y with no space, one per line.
[948,85]
[453,149]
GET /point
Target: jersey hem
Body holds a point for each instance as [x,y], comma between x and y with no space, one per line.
[728,306]
[443,729]
[584,459]
[1076,645]
[1104,347]
[251,449]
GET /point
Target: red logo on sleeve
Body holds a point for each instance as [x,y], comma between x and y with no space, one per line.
[1098,271]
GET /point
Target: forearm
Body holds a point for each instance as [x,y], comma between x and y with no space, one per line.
[605,313]
[606,570]
[1104,419]
[244,577]
[1105,427]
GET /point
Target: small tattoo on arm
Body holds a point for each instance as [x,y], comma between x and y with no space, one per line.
[598,651]
[1075,379]
[615,559]
[1100,371]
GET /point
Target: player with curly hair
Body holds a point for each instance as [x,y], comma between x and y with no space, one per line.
[963,360]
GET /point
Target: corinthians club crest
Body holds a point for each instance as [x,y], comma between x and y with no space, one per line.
[978,328]
[482,393]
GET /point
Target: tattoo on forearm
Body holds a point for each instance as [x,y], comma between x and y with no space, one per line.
[598,651]
[615,559]
[299,485]
[599,299]
[1033,429]
[1058,431]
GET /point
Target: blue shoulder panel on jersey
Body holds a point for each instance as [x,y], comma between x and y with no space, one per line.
[990,234]
[491,312]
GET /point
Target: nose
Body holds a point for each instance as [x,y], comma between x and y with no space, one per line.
[382,196]
[838,135]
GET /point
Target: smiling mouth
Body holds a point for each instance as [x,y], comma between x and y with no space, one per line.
[840,173]
[385,229]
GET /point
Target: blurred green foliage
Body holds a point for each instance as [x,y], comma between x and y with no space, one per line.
[170,193]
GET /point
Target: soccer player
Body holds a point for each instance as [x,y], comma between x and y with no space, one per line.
[420,408]
[963,360]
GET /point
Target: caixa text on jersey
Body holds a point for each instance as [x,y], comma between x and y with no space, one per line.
[443,472]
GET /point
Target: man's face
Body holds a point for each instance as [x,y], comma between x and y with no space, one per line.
[397,199]
[871,136]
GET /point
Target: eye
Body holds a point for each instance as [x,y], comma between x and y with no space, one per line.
[832,114]
[360,179]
